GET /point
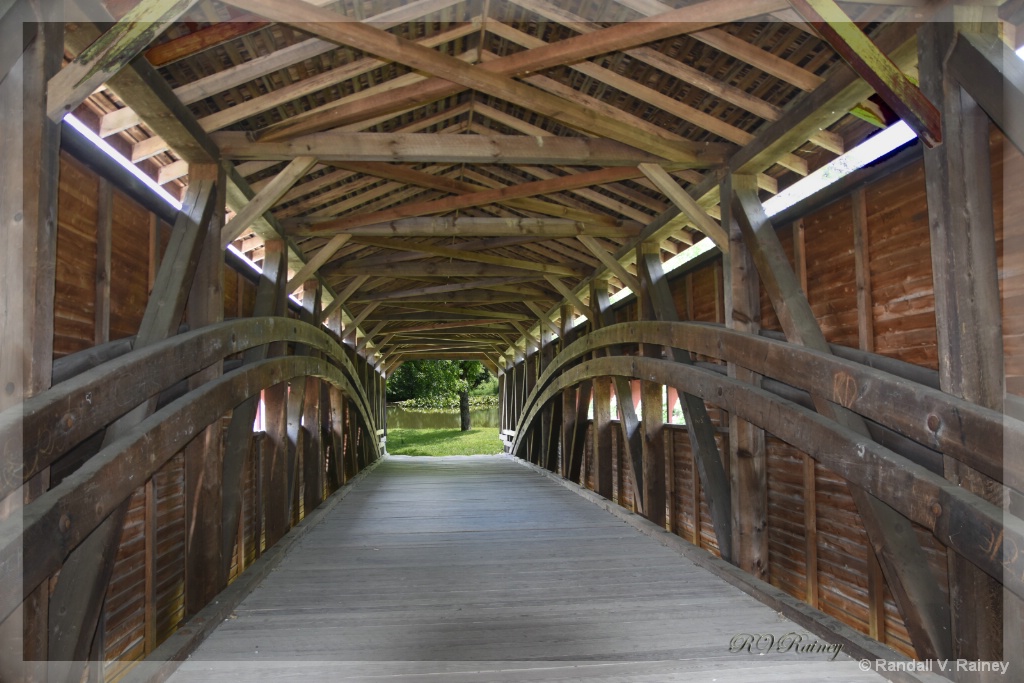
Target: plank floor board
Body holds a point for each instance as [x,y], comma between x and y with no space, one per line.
[478,569]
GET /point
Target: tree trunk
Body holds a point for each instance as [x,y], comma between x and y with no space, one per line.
[464,422]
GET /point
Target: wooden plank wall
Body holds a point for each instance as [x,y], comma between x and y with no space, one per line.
[818,549]
[145,601]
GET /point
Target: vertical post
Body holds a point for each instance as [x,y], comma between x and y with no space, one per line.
[866,342]
[631,439]
[747,459]
[652,407]
[700,430]
[811,532]
[205,569]
[602,410]
[76,603]
[810,482]
[270,300]
[271,297]
[568,399]
[28,221]
[905,565]
[150,575]
[967,304]
[104,240]
[552,418]
[312,452]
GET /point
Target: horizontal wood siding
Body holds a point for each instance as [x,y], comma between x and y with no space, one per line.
[1008,206]
[903,311]
[124,611]
[129,281]
[831,290]
[787,558]
[74,306]
[169,581]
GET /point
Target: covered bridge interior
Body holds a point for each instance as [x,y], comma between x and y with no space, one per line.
[818,398]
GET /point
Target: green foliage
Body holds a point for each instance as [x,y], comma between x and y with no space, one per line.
[446,404]
[433,442]
[435,378]
[489,387]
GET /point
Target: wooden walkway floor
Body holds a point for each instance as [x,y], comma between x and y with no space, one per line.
[477,568]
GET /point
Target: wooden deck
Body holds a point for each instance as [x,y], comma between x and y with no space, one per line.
[477,568]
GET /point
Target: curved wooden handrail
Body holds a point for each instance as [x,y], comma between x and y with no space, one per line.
[51,526]
[961,429]
[56,420]
[962,521]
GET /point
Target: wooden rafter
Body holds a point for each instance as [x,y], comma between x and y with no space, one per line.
[905,98]
[326,25]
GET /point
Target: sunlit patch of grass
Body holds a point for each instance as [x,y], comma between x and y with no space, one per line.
[483,441]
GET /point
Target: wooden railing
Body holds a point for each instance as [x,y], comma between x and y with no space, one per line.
[973,527]
[35,544]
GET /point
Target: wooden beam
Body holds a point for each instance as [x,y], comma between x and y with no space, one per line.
[573,50]
[326,25]
[910,578]
[965,521]
[304,88]
[570,296]
[28,219]
[690,208]
[266,198]
[610,262]
[317,261]
[465,201]
[104,241]
[77,600]
[465,255]
[994,77]
[409,176]
[819,109]
[631,439]
[862,261]
[439,148]
[444,226]
[439,289]
[146,92]
[968,316]
[748,459]
[339,300]
[653,97]
[218,82]
[205,38]
[873,66]
[110,53]
[270,300]
[699,428]
[542,316]
[427,269]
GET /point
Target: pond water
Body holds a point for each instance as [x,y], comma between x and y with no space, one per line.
[399,418]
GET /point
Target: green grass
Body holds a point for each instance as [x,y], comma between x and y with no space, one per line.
[443,442]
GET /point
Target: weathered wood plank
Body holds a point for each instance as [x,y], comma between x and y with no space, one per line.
[987,69]
[936,504]
[509,533]
[967,308]
[89,494]
[748,467]
[110,53]
[910,578]
[873,66]
[700,430]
